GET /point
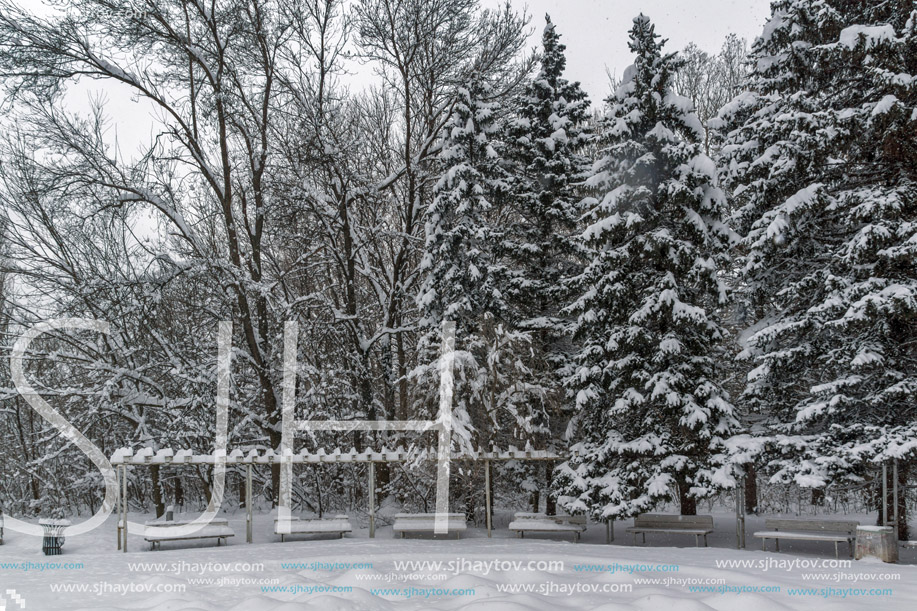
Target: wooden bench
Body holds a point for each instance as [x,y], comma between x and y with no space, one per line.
[539,522]
[425,522]
[299,526]
[216,529]
[699,526]
[809,530]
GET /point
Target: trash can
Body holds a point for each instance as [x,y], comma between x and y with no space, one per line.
[53,539]
[877,542]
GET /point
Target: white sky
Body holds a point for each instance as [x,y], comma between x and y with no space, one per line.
[595,32]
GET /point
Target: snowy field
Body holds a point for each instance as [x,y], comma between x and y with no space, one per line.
[504,573]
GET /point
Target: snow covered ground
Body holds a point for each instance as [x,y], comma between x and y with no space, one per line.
[503,573]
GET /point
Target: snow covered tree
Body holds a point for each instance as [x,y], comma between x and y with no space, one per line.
[545,141]
[462,280]
[651,414]
[820,154]
[710,81]
[496,397]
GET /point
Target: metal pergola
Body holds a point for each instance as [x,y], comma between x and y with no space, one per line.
[126,457]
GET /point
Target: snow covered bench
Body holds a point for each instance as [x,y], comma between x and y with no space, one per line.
[699,526]
[809,530]
[298,526]
[216,529]
[539,522]
[425,522]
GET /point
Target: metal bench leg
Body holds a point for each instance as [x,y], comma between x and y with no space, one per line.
[635,538]
[777,544]
[644,538]
[705,540]
[850,547]
[696,541]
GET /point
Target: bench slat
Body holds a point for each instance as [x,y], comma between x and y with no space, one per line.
[426,522]
[534,526]
[428,527]
[301,528]
[687,531]
[781,524]
[189,537]
[806,536]
[699,526]
[674,522]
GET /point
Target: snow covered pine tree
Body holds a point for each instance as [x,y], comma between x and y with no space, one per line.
[462,282]
[545,143]
[651,415]
[820,153]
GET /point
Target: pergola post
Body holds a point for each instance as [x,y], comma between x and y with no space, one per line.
[487,499]
[740,512]
[124,507]
[884,494]
[118,503]
[895,497]
[248,504]
[372,500]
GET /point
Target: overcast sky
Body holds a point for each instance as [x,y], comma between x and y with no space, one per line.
[595,31]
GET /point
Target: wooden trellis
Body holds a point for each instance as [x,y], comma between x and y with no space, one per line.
[126,457]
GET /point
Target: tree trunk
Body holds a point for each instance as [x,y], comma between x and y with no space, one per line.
[276,437]
[33,481]
[688,503]
[402,379]
[179,492]
[383,477]
[489,465]
[818,497]
[390,376]
[751,490]
[157,491]
[550,503]
[469,496]
[903,471]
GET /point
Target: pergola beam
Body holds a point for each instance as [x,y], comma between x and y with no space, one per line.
[268,457]
[145,457]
